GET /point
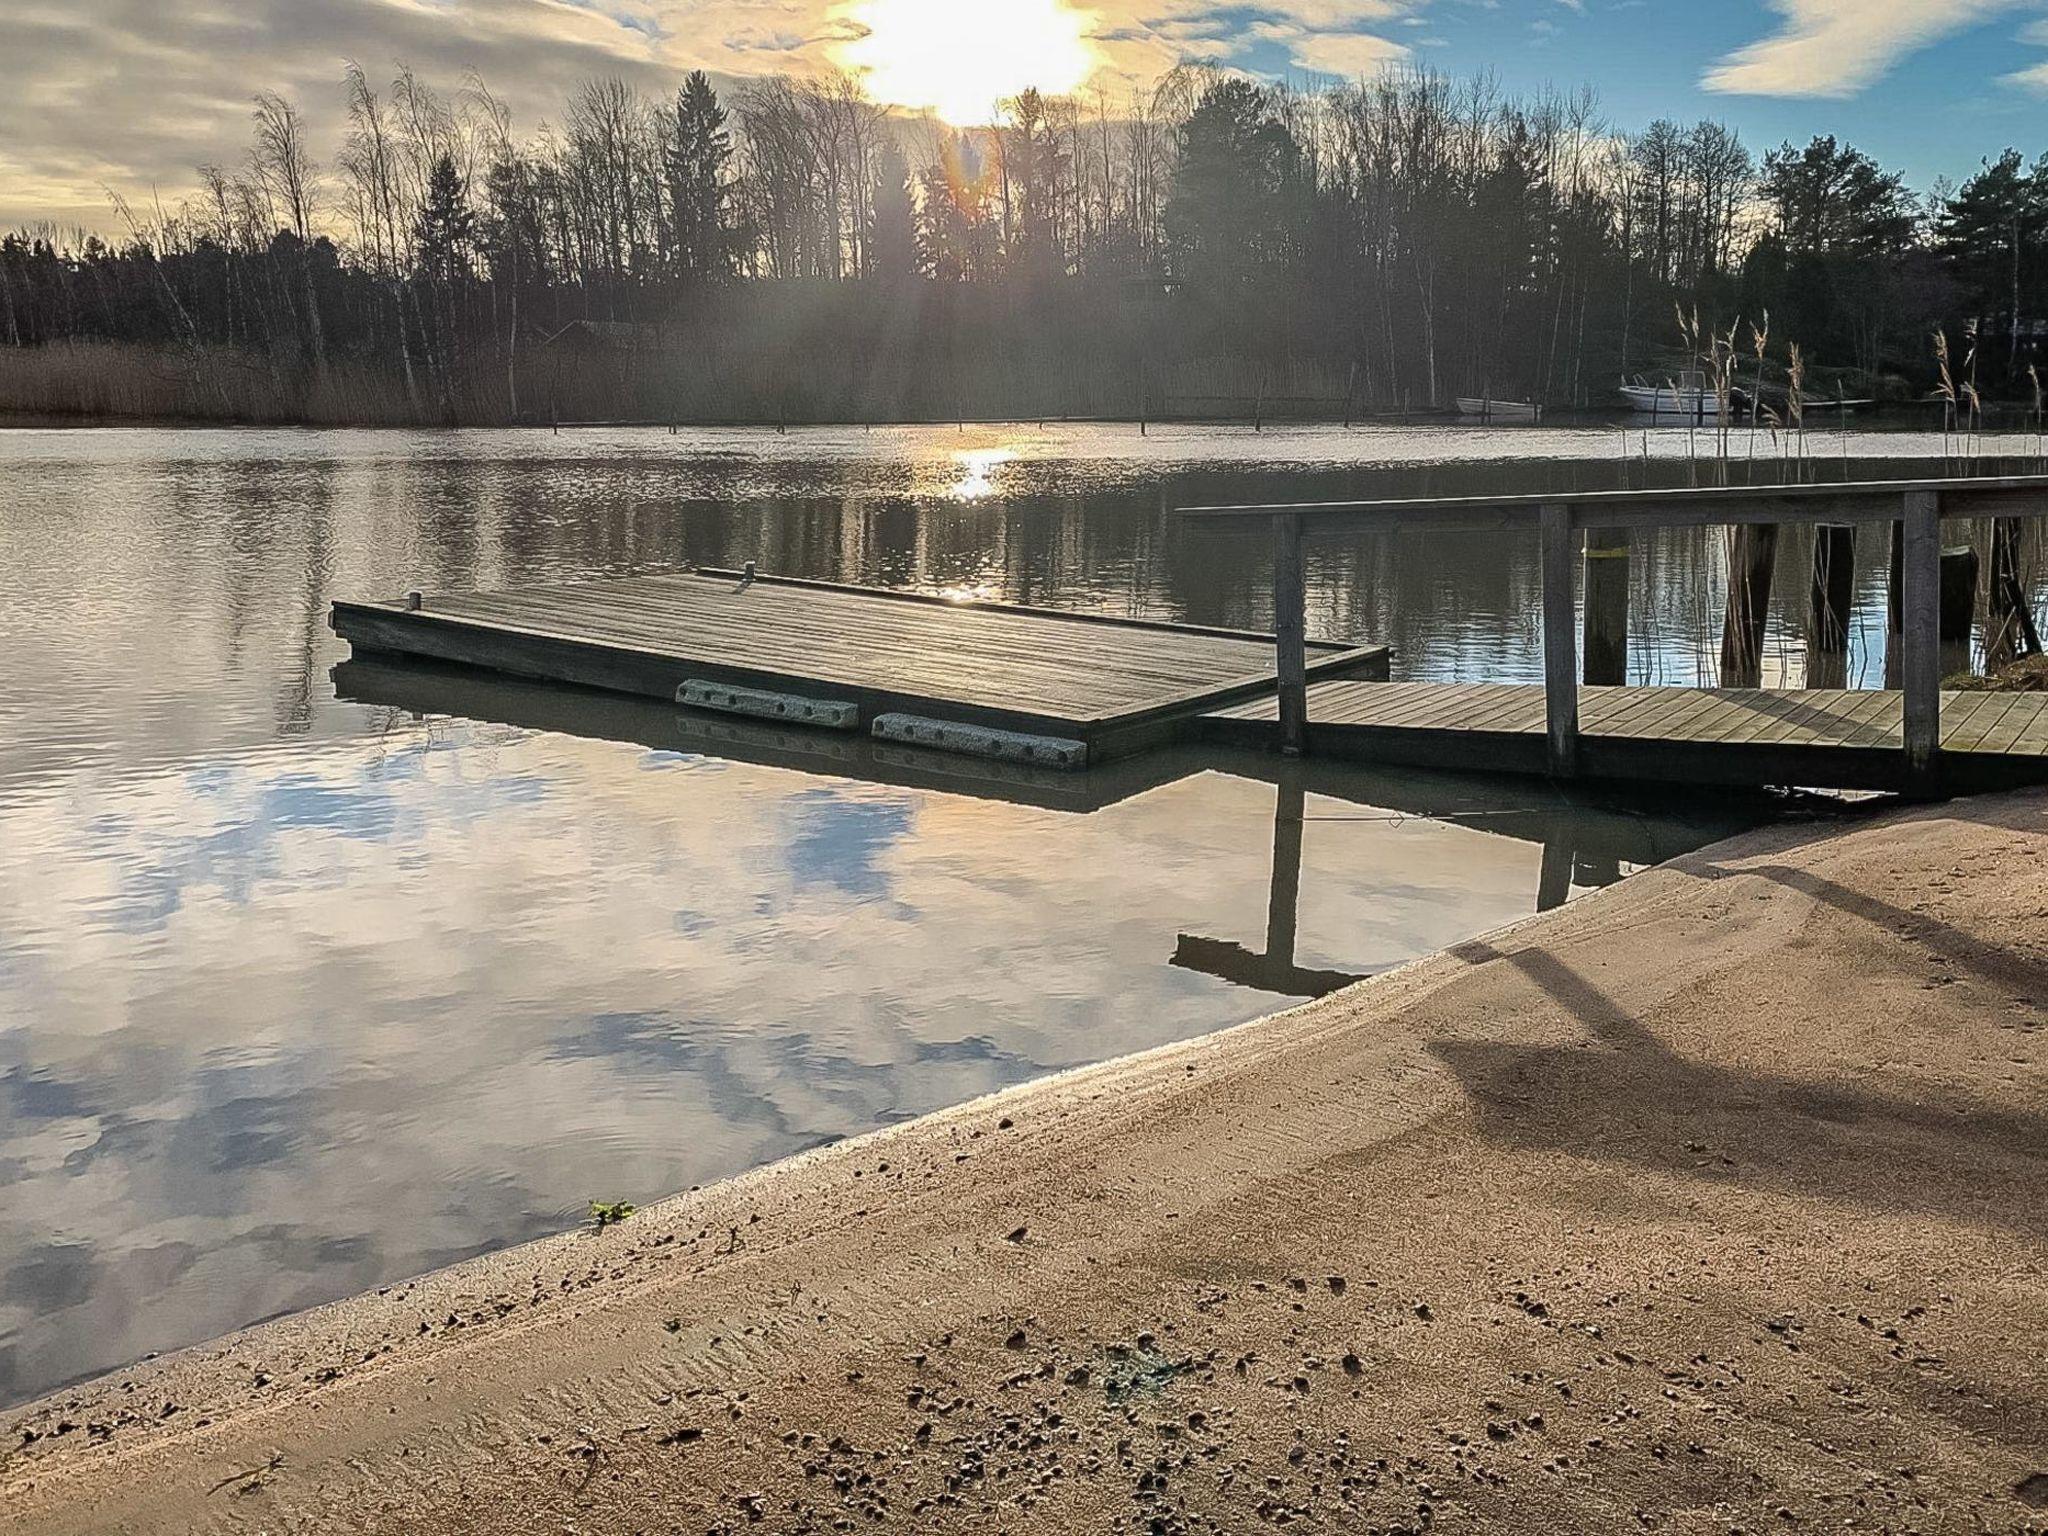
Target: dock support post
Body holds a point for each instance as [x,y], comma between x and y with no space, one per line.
[1920,625]
[1958,608]
[1290,627]
[2009,631]
[1752,563]
[1606,607]
[1560,648]
[1833,595]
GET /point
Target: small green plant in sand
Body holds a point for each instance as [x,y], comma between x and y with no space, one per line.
[609,1213]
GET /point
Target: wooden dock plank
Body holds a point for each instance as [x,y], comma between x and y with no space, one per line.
[1705,707]
[1417,706]
[1643,712]
[1502,707]
[913,656]
[2032,740]
[1759,710]
[1807,725]
[1658,712]
[1975,717]
[1849,738]
[2013,725]
[1611,710]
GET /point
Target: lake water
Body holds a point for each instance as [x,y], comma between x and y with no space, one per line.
[312,981]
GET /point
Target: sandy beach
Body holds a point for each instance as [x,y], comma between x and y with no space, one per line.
[1714,1202]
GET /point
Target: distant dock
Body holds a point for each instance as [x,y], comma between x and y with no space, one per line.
[1032,685]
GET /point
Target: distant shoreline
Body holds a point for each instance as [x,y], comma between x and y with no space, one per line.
[1895,419]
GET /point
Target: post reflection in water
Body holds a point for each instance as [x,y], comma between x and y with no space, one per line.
[314,976]
[1274,968]
[1585,846]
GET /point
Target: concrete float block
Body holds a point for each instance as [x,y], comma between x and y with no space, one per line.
[759,704]
[983,741]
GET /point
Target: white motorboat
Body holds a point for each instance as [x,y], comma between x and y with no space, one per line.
[1688,397]
[1482,409]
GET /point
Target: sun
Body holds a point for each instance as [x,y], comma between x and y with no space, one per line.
[962,58]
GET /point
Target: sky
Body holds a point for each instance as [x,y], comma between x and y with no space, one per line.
[129,96]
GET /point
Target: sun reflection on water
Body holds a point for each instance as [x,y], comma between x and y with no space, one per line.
[977,472]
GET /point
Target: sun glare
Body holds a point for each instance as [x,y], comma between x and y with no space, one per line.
[962,58]
[978,468]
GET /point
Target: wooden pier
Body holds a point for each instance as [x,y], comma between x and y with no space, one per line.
[1039,686]
[1916,737]
[1833,738]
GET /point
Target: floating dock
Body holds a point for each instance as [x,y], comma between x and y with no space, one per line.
[1029,685]
[1833,738]
[432,688]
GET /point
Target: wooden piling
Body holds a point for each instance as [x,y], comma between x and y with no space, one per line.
[1895,611]
[1752,564]
[1955,579]
[1606,607]
[1560,659]
[2009,631]
[1959,568]
[1920,602]
[1290,628]
[1832,598]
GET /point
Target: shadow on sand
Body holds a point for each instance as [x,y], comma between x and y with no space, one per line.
[1635,1101]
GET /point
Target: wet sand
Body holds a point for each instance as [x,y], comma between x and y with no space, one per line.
[1714,1202]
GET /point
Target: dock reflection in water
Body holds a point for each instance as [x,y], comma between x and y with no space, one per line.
[1586,842]
[1586,845]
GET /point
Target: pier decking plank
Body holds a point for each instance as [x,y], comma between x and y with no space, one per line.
[1115,684]
[1838,738]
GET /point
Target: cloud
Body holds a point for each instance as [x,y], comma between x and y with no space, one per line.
[1835,48]
[1325,36]
[2034,78]
[1345,53]
[131,95]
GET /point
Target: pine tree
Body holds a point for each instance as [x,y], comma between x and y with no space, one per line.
[892,232]
[957,237]
[445,231]
[1035,170]
[1991,233]
[1228,216]
[509,234]
[697,166]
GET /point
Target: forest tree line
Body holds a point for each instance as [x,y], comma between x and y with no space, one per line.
[792,250]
